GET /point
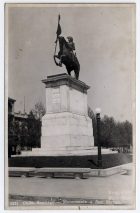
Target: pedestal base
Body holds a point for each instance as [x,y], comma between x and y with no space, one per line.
[65,134]
[66,131]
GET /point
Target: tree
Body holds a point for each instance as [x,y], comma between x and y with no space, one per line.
[125,133]
[24,134]
[115,134]
[94,124]
[112,133]
[128,130]
[34,130]
[90,113]
[107,131]
[38,111]
[34,124]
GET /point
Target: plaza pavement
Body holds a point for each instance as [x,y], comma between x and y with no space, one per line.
[118,187]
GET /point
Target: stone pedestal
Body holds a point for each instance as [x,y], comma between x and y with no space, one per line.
[66,127]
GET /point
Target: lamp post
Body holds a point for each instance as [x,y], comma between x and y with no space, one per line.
[98,111]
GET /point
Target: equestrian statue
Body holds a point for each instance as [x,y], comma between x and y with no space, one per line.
[66,54]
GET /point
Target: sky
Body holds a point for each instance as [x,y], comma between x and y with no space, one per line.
[104,37]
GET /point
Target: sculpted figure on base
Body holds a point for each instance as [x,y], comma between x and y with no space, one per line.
[66,54]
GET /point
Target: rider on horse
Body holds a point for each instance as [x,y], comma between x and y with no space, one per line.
[71,46]
[67,56]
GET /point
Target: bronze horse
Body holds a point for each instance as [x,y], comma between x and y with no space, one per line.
[67,57]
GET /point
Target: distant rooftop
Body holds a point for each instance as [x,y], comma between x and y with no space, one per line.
[21,115]
[11,99]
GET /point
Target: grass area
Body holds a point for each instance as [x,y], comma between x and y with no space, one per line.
[108,160]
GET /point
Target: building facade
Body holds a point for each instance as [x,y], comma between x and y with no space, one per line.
[24,131]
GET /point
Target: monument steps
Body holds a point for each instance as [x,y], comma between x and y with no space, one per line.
[65,152]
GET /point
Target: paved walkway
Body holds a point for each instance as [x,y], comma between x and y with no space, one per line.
[117,187]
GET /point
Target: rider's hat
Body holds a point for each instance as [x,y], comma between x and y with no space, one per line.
[70,38]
